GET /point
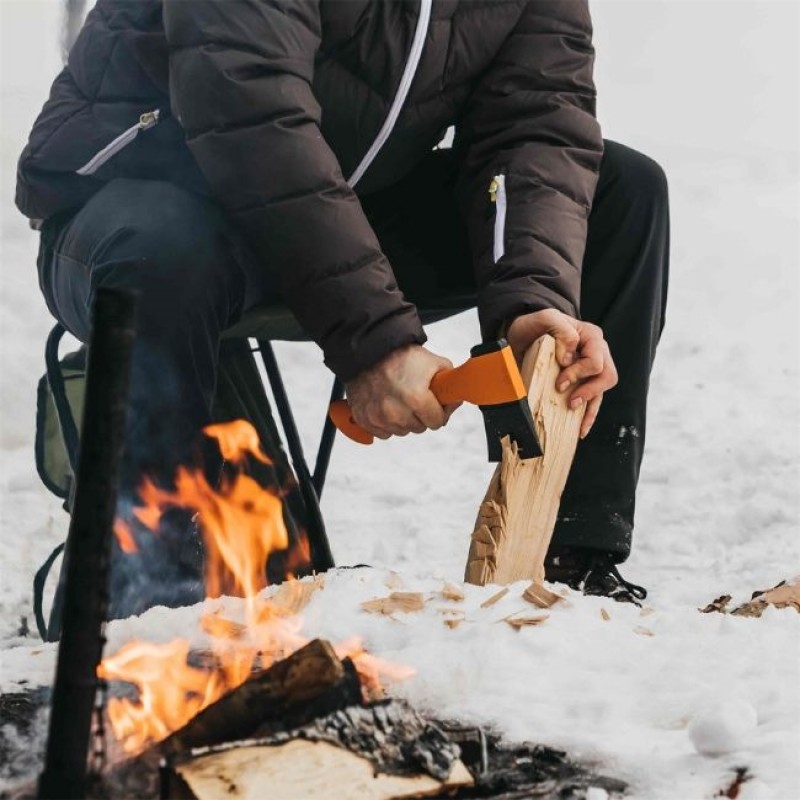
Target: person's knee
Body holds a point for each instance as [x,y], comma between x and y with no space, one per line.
[172,251]
[635,175]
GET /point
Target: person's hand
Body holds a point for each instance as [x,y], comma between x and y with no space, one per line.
[393,397]
[587,366]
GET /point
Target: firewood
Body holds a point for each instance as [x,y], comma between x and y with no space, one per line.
[367,753]
[516,519]
[310,682]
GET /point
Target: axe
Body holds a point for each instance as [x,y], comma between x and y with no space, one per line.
[489,379]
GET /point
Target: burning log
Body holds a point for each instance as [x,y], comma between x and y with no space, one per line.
[382,751]
[516,519]
[311,682]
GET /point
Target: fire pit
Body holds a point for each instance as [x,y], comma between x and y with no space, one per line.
[264,711]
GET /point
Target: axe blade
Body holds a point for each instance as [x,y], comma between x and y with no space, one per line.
[514,420]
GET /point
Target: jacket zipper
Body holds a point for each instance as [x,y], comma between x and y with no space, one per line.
[146,121]
[414,56]
[497,194]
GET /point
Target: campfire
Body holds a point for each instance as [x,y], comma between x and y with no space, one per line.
[242,527]
[264,710]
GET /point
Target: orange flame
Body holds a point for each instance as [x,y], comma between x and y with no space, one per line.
[242,526]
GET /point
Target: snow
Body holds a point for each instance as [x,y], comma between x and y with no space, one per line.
[718,510]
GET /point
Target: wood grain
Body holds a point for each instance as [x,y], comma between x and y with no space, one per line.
[516,518]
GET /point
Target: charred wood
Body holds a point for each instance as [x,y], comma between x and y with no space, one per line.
[313,681]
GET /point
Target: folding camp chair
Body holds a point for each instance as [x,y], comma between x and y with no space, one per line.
[240,392]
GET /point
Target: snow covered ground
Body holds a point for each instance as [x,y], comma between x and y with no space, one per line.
[712,90]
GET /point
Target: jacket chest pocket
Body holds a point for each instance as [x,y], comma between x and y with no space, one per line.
[146,121]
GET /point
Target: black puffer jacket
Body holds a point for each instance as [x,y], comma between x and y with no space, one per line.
[279,101]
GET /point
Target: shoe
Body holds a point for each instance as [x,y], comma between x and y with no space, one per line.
[593,572]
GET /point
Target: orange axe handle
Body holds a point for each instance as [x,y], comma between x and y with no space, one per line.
[491,377]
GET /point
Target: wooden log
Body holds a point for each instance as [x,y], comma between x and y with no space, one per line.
[377,752]
[311,682]
[516,519]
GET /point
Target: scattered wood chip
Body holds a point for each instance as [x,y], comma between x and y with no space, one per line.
[518,621]
[221,628]
[454,617]
[784,595]
[719,605]
[452,592]
[647,611]
[294,596]
[755,608]
[404,602]
[642,631]
[495,598]
[540,596]
[605,615]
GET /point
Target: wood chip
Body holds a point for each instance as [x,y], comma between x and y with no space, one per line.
[294,596]
[755,608]
[717,605]
[452,592]
[605,615]
[454,617]
[221,628]
[525,620]
[403,602]
[784,595]
[540,596]
[647,611]
[642,631]
[495,598]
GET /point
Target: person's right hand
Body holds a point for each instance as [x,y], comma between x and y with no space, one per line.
[393,397]
[587,368]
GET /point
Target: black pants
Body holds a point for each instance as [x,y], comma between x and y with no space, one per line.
[195,278]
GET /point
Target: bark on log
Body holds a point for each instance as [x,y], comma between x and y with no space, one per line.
[311,682]
[516,519]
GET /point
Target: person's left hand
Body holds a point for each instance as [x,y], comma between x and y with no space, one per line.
[587,366]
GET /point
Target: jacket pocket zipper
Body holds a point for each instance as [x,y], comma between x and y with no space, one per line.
[146,121]
[497,194]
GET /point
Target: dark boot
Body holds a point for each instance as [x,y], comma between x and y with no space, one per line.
[593,572]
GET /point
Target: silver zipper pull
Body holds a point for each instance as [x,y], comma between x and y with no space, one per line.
[148,119]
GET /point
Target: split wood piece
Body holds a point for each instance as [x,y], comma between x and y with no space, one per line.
[518,621]
[516,519]
[377,752]
[289,600]
[540,596]
[311,682]
[294,596]
[452,592]
[404,602]
[495,598]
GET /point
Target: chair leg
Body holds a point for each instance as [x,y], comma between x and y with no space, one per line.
[321,556]
[326,441]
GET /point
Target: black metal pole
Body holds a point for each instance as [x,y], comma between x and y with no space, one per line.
[326,442]
[89,546]
[321,556]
